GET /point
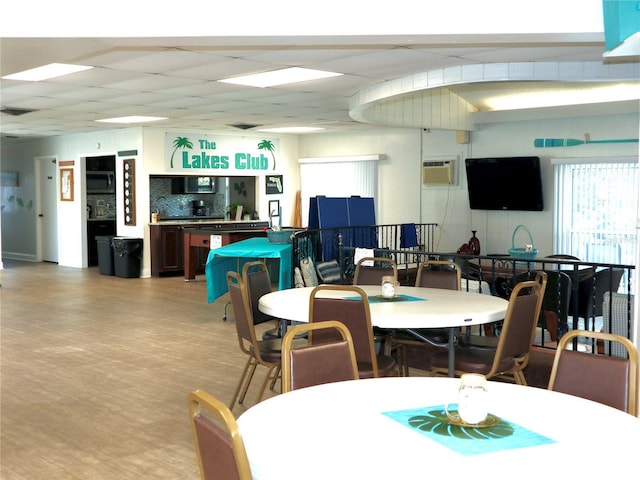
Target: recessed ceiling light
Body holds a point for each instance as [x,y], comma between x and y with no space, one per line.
[131,119]
[280,77]
[46,72]
[290,129]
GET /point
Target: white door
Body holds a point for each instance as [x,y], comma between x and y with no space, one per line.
[47,208]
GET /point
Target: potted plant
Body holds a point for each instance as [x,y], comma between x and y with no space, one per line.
[233,209]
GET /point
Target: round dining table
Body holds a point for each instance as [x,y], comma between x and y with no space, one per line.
[396,427]
[412,309]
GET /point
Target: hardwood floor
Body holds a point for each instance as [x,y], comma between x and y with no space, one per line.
[95,372]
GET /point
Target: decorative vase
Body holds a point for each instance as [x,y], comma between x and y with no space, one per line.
[474,243]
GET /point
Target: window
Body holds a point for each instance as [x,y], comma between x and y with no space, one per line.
[596,206]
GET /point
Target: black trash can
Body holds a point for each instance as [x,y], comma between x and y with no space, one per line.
[105,254]
[127,256]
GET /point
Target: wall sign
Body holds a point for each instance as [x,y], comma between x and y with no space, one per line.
[199,153]
[129,183]
[274,184]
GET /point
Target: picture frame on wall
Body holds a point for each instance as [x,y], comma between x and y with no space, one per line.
[274,212]
[129,189]
[274,185]
[66,184]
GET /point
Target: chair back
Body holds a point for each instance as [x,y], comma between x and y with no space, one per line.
[555,302]
[318,363]
[243,316]
[382,267]
[591,292]
[219,446]
[601,378]
[353,312]
[256,278]
[520,322]
[438,274]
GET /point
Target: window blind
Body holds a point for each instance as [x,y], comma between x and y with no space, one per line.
[596,206]
[334,177]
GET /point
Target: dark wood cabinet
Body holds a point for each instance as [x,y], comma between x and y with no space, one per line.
[97,228]
[166,249]
[167,243]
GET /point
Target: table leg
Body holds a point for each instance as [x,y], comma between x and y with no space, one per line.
[453,337]
[283,327]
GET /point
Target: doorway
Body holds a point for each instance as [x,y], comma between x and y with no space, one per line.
[46,168]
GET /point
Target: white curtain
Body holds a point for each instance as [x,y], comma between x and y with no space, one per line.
[337,177]
[596,208]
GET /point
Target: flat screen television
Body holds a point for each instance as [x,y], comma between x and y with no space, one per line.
[504,183]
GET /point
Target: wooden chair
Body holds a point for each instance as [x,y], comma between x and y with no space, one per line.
[220,449]
[256,277]
[316,364]
[511,354]
[355,314]
[372,275]
[601,378]
[431,274]
[264,352]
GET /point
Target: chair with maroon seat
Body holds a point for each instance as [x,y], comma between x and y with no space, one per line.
[511,355]
[370,270]
[260,352]
[605,379]
[431,274]
[354,312]
[315,364]
[256,278]
[220,449]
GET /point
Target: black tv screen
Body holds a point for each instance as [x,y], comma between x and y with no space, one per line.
[504,183]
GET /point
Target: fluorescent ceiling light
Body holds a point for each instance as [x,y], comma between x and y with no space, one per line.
[280,77]
[561,96]
[46,72]
[290,129]
[131,119]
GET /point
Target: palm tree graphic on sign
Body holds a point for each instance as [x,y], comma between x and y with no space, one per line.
[180,142]
[268,145]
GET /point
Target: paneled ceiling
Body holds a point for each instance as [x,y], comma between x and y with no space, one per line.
[178,78]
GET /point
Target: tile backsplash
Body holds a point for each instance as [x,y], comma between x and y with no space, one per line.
[174,205]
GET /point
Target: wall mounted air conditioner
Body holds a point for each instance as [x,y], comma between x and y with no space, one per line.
[439,172]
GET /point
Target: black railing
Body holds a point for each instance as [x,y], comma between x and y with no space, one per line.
[323,245]
[583,295]
[579,294]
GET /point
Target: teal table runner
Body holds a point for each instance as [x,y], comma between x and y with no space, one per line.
[432,423]
[397,298]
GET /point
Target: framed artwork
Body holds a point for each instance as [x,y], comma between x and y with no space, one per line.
[274,212]
[66,184]
[274,185]
[129,183]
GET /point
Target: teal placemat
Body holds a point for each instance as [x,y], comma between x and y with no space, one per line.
[432,423]
[397,298]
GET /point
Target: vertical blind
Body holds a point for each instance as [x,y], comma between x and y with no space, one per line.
[336,178]
[596,208]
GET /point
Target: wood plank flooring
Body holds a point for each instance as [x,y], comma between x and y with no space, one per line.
[95,372]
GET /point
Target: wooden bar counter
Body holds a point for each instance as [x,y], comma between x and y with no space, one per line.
[175,244]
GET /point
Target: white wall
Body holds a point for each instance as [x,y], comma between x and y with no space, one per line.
[397,200]
[19,232]
[401,197]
